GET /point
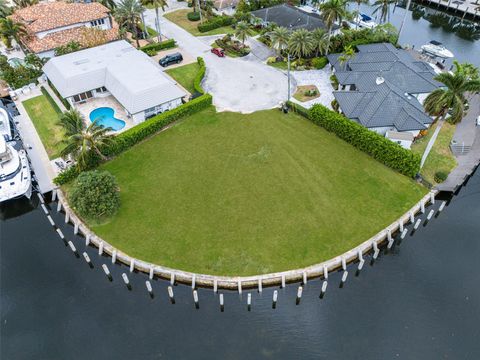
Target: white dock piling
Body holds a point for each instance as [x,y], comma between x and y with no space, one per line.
[324,287]
[125,278]
[390,239]
[404,233]
[44,208]
[432,198]
[400,226]
[86,257]
[304,278]
[87,239]
[114,256]
[132,265]
[59,206]
[325,272]
[360,255]
[59,232]
[344,263]
[50,220]
[172,279]
[239,285]
[412,217]
[376,250]
[422,207]
[417,224]
[149,286]
[72,247]
[170,292]
[67,217]
[344,277]
[215,285]
[260,285]
[299,292]
[105,270]
[54,195]
[430,214]
[75,229]
[100,248]
[249,299]
[193,281]
[275,297]
[150,275]
[360,264]
[40,197]
[283,281]
[442,205]
[195,297]
[220,299]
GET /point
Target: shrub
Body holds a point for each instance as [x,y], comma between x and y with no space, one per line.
[298,109]
[215,23]
[50,100]
[55,91]
[271,60]
[377,146]
[150,48]
[66,176]
[440,176]
[319,63]
[197,82]
[193,16]
[95,195]
[334,81]
[150,52]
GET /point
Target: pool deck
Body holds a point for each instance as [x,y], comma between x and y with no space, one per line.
[108,101]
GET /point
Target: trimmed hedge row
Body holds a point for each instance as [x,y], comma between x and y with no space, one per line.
[141,131]
[55,91]
[215,23]
[167,44]
[197,82]
[370,142]
[50,100]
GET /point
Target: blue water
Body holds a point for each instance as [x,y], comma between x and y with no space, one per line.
[104,116]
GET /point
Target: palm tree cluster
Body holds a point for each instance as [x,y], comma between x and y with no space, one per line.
[11,30]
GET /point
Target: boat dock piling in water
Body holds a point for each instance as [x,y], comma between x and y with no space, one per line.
[132,265]
[50,220]
[100,248]
[107,272]
[114,256]
[283,281]
[239,286]
[59,232]
[86,257]
[417,224]
[72,247]
[260,285]
[215,285]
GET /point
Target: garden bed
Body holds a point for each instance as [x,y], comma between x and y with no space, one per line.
[306,93]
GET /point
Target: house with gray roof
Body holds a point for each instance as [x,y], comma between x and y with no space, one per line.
[383,88]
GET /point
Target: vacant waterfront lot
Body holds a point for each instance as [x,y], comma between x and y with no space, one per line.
[232,194]
[45,118]
[179,17]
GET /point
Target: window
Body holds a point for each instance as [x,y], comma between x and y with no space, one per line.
[101,89]
[82,97]
[97,22]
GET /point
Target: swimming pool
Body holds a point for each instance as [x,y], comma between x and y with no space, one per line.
[104,116]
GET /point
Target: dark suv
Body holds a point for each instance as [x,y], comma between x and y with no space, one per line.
[171,59]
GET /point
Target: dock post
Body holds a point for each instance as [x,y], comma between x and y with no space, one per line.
[239,286]
[412,217]
[283,281]
[304,278]
[172,278]
[220,299]
[100,248]
[325,272]
[54,195]
[193,282]
[150,275]
[215,285]
[114,256]
[260,285]
[274,299]
[299,294]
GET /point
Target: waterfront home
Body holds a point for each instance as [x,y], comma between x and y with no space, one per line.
[383,88]
[53,24]
[115,72]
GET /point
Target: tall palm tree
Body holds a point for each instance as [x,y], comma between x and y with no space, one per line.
[301,43]
[157,4]
[450,99]
[383,6]
[332,11]
[129,14]
[5,10]
[359,2]
[109,4]
[319,39]
[242,30]
[279,38]
[24,3]
[10,30]
[83,141]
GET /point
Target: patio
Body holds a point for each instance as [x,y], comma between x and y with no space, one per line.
[108,101]
[319,78]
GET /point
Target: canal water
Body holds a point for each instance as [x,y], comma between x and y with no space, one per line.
[420,300]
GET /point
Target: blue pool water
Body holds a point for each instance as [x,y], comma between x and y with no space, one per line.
[104,116]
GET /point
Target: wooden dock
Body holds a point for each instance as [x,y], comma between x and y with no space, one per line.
[467,8]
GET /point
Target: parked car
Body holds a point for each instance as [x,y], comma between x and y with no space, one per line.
[219,52]
[175,58]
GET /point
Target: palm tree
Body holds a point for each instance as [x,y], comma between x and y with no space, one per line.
[319,41]
[359,2]
[301,43]
[10,30]
[129,14]
[83,141]
[279,38]
[449,99]
[157,4]
[109,4]
[242,30]
[383,6]
[332,11]
[5,10]
[348,53]
[24,3]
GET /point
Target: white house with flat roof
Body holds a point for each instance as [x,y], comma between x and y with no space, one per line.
[116,69]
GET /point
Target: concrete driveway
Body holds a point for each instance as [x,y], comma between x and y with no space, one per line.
[240,85]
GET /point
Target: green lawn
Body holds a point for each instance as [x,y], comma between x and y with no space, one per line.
[231,194]
[440,157]
[45,119]
[185,75]
[179,17]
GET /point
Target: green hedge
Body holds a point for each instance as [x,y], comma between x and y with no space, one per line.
[215,23]
[50,100]
[193,16]
[382,149]
[197,82]
[167,44]
[55,91]
[66,175]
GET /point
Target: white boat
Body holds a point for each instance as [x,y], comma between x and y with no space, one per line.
[364,21]
[437,49]
[15,178]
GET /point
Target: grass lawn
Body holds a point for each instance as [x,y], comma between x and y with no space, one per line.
[185,75]
[440,157]
[232,194]
[301,93]
[179,17]
[45,119]
[282,65]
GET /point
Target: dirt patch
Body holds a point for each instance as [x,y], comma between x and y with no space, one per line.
[306,93]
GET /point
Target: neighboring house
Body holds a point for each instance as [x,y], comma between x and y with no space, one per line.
[225,6]
[53,24]
[117,69]
[290,17]
[383,88]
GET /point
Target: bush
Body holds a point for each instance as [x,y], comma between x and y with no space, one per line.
[50,100]
[55,91]
[299,109]
[440,176]
[319,63]
[377,146]
[66,176]
[215,23]
[197,82]
[193,16]
[334,81]
[271,60]
[95,195]
[156,47]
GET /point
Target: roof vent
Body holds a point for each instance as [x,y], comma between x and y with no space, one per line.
[408,96]
[379,80]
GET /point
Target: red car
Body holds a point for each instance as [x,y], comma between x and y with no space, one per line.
[219,52]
